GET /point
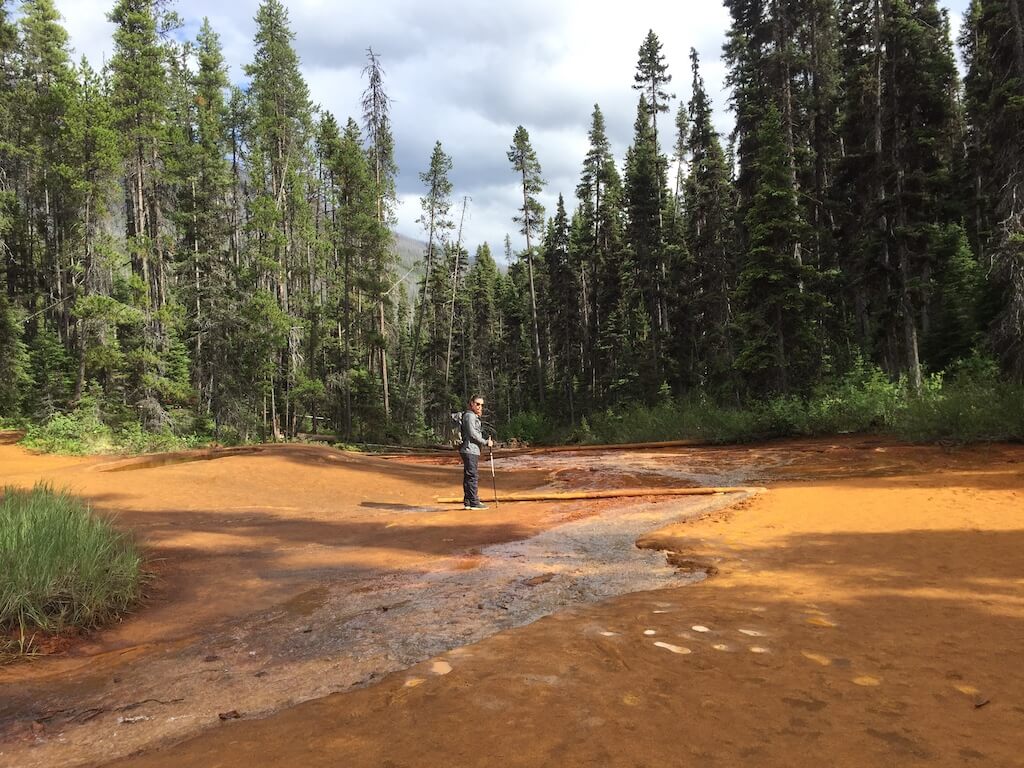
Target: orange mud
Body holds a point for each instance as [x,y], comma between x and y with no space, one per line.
[868,610]
[249,529]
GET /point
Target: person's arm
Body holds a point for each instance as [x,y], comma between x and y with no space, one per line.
[474,431]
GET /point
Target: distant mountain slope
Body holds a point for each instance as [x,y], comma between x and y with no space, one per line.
[411,255]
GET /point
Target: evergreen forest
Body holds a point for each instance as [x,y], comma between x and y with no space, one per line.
[186,260]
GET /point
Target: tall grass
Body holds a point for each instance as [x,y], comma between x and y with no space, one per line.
[61,566]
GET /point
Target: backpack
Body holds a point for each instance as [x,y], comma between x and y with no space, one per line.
[456,428]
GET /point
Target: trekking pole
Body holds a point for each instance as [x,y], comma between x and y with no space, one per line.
[494,483]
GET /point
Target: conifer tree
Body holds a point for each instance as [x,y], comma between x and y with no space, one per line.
[530,219]
[993,44]
[457,264]
[209,280]
[14,377]
[94,152]
[605,241]
[8,81]
[349,225]
[857,185]
[376,118]
[483,325]
[563,309]
[596,239]
[747,42]
[679,154]
[139,96]
[279,131]
[919,125]
[650,79]
[779,351]
[435,207]
[47,235]
[704,344]
[643,183]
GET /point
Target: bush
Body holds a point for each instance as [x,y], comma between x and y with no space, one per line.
[134,439]
[86,430]
[532,427]
[695,418]
[79,432]
[969,403]
[61,566]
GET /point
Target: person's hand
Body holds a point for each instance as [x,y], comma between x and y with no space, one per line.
[490,442]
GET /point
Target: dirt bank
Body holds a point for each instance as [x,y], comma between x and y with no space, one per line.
[868,610]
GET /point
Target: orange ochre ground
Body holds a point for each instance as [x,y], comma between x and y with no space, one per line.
[867,610]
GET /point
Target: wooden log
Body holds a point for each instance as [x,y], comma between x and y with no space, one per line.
[605,494]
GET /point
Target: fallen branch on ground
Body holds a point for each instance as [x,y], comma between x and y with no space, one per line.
[611,494]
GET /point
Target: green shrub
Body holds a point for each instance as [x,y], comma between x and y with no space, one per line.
[969,403]
[533,428]
[695,418]
[134,439]
[79,432]
[87,430]
[61,566]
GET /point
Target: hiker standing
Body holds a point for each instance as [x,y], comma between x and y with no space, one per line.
[472,440]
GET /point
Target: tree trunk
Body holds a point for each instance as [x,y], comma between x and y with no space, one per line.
[533,293]
[455,285]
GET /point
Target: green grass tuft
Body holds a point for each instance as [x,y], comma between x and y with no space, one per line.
[61,566]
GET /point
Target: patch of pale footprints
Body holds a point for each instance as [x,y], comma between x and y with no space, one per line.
[721,639]
[731,639]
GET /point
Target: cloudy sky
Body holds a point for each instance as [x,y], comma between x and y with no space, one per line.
[466,73]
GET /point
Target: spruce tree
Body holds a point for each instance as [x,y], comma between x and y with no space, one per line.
[856,187]
[704,346]
[50,205]
[597,230]
[352,227]
[139,96]
[644,179]
[376,118]
[279,131]
[14,376]
[993,43]
[209,279]
[650,79]
[530,219]
[919,133]
[483,327]
[435,219]
[94,152]
[563,308]
[8,80]
[779,348]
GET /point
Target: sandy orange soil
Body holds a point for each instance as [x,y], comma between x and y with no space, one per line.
[868,610]
[261,515]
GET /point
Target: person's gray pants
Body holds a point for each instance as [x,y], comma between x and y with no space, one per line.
[470,478]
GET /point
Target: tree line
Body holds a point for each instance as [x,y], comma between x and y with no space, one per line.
[195,257]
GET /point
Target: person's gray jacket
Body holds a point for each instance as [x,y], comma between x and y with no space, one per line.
[472,438]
